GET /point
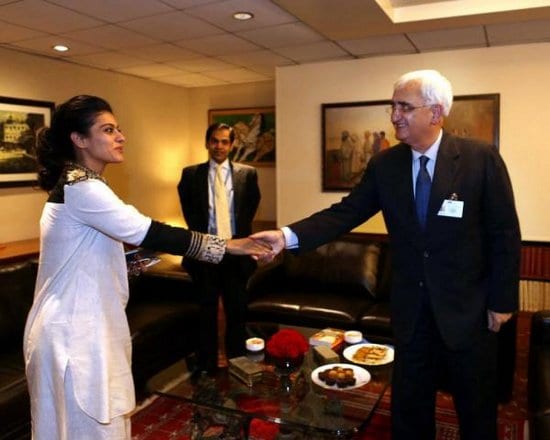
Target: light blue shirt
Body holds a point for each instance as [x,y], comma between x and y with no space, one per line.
[291,239]
[431,153]
[228,181]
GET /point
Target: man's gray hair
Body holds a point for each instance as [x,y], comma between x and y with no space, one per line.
[434,87]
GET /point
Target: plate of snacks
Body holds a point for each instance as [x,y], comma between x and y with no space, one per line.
[340,376]
[369,354]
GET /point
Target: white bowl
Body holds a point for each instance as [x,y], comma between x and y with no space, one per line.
[255,344]
[353,336]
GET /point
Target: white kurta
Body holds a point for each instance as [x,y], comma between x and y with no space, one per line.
[78,316]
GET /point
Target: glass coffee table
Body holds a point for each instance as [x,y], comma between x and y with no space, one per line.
[299,403]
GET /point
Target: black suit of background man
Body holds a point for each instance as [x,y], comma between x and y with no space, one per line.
[229,278]
[456,280]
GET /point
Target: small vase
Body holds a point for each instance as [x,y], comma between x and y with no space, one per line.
[286,366]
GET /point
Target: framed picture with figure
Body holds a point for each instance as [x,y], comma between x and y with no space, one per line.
[352,132]
[20,120]
[254,133]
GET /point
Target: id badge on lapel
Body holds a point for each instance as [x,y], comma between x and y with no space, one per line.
[451,207]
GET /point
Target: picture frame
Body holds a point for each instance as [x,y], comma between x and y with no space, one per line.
[255,135]
[353,131]
[20,120]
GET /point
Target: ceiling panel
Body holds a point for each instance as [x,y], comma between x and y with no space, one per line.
[323,50]
[161,52]
[384,45]
[265,14]
[258,58]
[111,37]
[12,32]
[191,80]
[202,64]
[282,36]
[158,38]
[523,32]
[113,11]
[218,45]
[43,45]
[449,38]
[173,26]
[238,75]
[150,70]
[46,17]
[109,60]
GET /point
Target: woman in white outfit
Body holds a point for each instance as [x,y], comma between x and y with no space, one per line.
[77,343]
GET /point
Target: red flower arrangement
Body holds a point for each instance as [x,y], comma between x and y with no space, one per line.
[287,344]
[263,430]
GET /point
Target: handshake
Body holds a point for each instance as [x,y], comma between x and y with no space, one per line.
[262,246]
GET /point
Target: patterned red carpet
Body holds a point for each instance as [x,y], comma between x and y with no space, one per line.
[166,419]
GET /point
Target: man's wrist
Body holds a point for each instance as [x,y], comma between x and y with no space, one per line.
[291,239]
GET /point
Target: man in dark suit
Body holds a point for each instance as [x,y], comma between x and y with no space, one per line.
[455,240]
[199,203]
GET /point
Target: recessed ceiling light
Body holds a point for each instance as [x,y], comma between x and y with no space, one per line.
[243,15]
[60,48]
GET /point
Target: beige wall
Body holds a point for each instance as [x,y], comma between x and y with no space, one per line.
[164,126]
[518,73]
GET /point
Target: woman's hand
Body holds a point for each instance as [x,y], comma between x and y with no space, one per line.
[247,246]
[274,239]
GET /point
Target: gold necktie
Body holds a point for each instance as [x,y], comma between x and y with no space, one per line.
[223,222]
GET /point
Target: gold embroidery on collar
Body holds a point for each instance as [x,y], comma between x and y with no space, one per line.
[78,173]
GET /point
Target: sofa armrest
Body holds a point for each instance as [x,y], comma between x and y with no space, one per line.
[167,281]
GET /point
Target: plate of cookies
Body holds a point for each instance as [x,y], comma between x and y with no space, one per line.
[369,354]
[340,376]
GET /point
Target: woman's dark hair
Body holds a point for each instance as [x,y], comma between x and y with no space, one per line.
[54,146]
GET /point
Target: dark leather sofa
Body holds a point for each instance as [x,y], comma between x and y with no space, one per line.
[345,284]
[162,314]
[538,379]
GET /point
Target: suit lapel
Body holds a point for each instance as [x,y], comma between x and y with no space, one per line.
[203,188]
[444,175]
[237,176]
[401,179]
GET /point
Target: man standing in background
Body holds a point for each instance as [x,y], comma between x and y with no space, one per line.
[220,197]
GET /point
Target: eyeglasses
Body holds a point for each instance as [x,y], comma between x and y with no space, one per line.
[404,107]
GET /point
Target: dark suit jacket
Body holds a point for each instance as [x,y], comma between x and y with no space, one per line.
[468,264]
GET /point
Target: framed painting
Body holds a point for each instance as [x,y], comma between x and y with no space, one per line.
[20,120]
[475,116]
[353,132]
[254,133]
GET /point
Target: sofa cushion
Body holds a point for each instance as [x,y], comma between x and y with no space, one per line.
[15,416]
[16,295]
[308,307]
[338,263]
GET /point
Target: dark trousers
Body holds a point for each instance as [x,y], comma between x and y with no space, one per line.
[470,375]
[228,280]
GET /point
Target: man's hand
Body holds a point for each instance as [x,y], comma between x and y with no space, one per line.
[495,320]
[274,239]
